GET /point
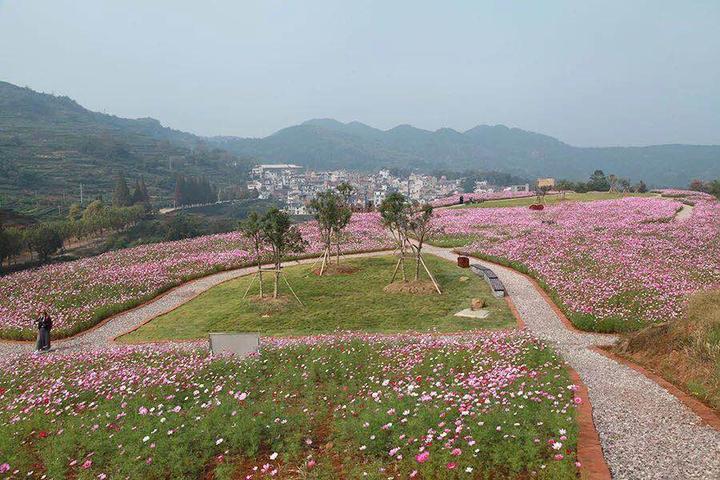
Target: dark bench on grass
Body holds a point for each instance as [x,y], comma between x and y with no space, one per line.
[491,278]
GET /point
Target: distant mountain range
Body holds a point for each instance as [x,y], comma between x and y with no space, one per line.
[327,144]
[49,145]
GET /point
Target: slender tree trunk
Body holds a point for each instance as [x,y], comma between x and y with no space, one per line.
[277,278]
[417,265]
[337,249]
[260,278]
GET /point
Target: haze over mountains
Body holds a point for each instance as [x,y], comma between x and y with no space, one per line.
[327,143]
[50,144]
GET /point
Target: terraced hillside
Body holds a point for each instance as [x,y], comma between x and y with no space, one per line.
[50,145]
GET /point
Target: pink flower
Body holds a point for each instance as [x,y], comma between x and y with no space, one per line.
[558,457]
[456,452]
[577,400]
[87,464]
[422,457]
[310,464]
[142,411]
[451,465]
[5,467]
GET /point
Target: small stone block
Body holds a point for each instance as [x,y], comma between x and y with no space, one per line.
[470,313]
[239,344]
[463,262]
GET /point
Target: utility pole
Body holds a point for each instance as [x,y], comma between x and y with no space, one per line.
[81,194]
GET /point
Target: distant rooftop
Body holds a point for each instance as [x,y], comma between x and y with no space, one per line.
[270,166]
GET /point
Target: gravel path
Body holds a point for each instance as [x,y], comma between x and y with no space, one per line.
[684,213]
[646,433]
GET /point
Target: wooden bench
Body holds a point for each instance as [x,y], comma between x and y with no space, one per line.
[497,287]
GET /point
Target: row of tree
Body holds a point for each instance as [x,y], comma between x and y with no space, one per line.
[123,198]
[194,191]
[410,224]
[188,191]
[46,239]
[599,182]
[713,187]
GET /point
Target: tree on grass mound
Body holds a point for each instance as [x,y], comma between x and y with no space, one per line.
[420,224]
[251,228]
[283,238]
[332,213]
[395,214]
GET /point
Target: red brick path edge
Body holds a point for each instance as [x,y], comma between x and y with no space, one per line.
[706,414]
[589,450]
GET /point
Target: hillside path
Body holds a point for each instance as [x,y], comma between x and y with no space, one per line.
[645,432]
[684,213]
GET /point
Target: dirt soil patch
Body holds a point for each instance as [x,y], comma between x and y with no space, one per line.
[334,269]
[420,287]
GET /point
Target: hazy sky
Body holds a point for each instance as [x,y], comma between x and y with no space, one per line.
[607,72]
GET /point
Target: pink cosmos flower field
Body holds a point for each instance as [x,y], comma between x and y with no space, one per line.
[346,405]
[79,294]
[613,265]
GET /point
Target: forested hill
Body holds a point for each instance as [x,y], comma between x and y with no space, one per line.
[49,145]
[326,143]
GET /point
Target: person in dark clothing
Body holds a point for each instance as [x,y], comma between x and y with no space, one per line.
[44,324]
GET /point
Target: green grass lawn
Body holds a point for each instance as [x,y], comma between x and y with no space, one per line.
[354,302]
[553,199]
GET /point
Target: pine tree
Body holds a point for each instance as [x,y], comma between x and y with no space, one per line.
[121,194]
[145,194]
[179,190]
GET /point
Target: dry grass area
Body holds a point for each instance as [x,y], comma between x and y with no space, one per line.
[685,352]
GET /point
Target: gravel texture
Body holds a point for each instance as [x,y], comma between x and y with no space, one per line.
[646,433]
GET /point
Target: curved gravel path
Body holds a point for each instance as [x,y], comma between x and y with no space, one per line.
[645,432]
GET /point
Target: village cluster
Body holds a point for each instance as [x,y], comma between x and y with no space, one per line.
[294,186]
